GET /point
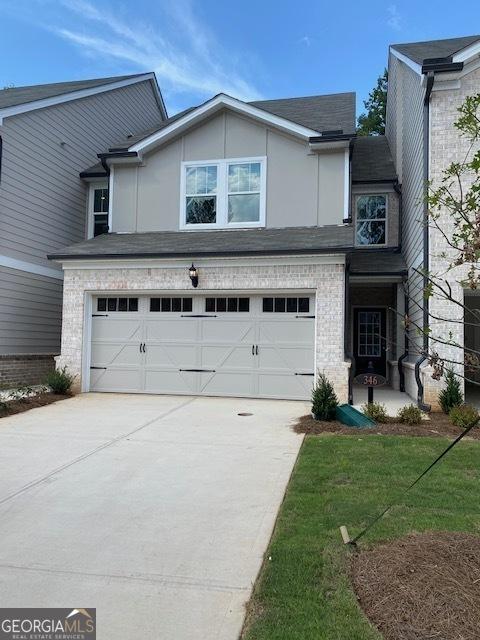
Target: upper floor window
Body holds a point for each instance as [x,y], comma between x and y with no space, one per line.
[371,220]
[223,193]
[98,209]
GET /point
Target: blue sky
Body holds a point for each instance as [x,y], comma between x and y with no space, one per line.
[251,49]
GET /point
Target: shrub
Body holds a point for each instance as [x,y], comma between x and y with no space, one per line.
[60,381]
[375,411]
[410,414]
[464,416]
[324,399]
[451,395]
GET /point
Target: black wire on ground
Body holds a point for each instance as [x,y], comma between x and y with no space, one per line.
[450,446]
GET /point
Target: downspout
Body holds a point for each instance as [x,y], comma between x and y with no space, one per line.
[346,328]
[426,307]
[404,355]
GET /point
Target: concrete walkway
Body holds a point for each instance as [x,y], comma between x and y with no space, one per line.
[156,510]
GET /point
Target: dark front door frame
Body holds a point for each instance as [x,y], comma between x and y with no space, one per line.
[362,360]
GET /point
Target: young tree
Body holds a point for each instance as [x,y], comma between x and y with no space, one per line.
[373,121]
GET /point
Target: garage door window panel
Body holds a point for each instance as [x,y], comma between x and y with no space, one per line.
[286,305]
[117,304]
[171,305]
[227,305]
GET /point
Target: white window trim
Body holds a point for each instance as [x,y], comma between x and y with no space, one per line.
[371,246]
[222,194]
[100,184]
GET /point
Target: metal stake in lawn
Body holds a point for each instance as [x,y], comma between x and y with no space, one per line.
[343,528]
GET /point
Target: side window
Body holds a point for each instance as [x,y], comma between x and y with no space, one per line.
[371,220]
[98,209]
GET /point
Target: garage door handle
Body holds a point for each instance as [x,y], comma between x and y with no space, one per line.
[198,315]
[253,349]
[256,350]
[305,316]
[199,370]
[99,315]
[98,367]
[304,374]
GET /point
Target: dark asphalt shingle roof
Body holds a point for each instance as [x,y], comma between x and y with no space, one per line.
[192,245]
[421,51]
[331,112]
[321,113]
[372,160]
[14,96]
[376,262]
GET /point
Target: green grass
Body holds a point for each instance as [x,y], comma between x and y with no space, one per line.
[304,592]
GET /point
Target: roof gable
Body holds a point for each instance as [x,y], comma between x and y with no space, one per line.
[192,117]
[418,52]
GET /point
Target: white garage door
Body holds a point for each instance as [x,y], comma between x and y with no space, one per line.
[215,345]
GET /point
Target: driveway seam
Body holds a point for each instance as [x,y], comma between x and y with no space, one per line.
[107,444]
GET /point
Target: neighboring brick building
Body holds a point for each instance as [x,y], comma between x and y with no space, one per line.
[428,81]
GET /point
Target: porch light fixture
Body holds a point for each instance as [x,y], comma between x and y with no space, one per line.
[193,273]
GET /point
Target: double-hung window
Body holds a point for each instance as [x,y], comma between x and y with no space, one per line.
[223,193]
[98,209]
[371,220]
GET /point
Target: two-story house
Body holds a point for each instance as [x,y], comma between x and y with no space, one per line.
[48,134]
[427,82]
[250,246]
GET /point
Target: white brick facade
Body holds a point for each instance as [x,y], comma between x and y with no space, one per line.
[446,146]
[327,280]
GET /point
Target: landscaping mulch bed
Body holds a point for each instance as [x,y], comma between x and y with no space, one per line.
[438,425]
[24,404]
[422,587]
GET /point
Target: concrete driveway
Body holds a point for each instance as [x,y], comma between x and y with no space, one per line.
[156,510]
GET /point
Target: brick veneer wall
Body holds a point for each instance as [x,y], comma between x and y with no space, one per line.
[28,369]
[326,279]
[446,146]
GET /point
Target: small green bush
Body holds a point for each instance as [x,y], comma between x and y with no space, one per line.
[464,416]
[410,414]
[451,396]
[376,412]
[60,381]
[324,399]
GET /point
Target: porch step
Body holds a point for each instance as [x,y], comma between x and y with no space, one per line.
[351,417]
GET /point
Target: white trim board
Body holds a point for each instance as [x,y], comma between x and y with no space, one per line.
[82,93]
[200,262]
[30,267]
[410,63]
[214,105]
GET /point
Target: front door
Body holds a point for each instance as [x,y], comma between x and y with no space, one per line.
[370,340]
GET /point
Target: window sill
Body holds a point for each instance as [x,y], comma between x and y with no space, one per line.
[217,227]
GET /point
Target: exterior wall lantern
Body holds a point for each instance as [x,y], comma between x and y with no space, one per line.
[193,273]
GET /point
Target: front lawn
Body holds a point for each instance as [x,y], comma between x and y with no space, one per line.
[304,591]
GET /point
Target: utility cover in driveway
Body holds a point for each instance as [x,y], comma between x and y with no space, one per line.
[257,346]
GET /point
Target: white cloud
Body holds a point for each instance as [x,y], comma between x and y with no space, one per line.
[395,19]
[195,66]
[306,40]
